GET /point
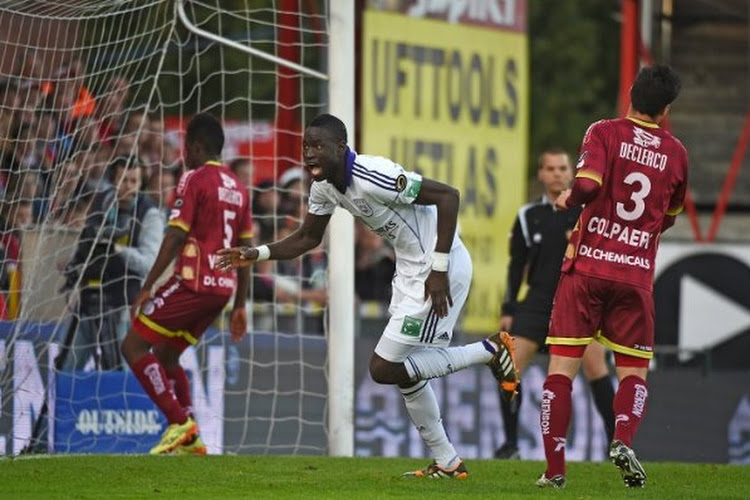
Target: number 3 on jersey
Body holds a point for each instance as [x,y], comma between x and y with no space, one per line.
[637,197]
[229,216]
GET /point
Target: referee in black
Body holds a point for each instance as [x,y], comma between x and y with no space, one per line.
[537,244]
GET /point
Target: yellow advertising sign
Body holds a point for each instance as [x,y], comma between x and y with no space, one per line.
[451,102]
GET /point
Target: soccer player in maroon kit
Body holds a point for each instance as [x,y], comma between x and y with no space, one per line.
[632,177]
[211,211]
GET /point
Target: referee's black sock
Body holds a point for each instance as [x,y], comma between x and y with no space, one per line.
[509,410]
[604,395]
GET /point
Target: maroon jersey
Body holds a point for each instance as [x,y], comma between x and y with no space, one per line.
[212,206]
[642,170]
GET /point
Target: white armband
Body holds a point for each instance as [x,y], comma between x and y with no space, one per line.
[264,253]
[440,261]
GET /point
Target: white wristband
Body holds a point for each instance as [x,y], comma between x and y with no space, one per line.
[440,261]
[264,253]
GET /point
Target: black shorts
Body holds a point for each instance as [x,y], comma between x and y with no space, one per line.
[531,320]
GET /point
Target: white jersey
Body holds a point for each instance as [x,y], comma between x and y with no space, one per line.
[381,194]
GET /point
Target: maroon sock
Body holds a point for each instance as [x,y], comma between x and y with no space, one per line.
[554,419]
[150,373]
[181,386]
[630,406]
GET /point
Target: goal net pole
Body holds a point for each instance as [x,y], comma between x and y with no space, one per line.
[341,253]
[341,302]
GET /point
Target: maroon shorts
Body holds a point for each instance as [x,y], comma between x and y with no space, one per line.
[177,314]
[619,315]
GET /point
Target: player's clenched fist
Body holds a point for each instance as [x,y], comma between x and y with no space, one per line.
[236,257]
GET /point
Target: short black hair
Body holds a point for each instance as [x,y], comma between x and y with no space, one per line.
[206,129]
[121,162]
[654,88]
[332,124]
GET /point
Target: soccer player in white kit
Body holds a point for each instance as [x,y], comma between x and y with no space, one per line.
[433,275]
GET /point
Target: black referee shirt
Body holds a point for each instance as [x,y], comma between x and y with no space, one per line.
[537,246]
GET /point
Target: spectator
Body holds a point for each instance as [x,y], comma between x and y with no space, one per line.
[125,230]
[13,217]
[293,193]
[125,145]
[150,141]
[306,275]
[243,169]
[67,179]
[74,214]
[265,202]
[111,110]
[374,265]
[161,188]
[20,216]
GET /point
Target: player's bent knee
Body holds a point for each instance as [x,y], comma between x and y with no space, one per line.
[382,371]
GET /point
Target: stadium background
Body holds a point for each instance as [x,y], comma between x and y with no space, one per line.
[552,86]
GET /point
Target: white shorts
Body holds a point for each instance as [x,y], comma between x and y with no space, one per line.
[413,323]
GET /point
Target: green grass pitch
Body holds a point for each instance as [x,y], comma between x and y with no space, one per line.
[313,477]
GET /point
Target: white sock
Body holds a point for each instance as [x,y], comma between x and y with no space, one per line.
[422,406]
[439,361]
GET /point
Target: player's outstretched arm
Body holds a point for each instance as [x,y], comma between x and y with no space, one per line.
[305,238]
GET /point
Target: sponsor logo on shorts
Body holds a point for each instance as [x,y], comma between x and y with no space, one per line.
[411,327]
[148,307]
[444,336]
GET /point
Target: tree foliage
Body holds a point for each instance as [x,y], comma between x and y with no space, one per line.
[574,52]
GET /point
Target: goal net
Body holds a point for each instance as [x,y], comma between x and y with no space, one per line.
[86,85]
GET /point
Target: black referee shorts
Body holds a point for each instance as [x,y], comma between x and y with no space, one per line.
[531,320]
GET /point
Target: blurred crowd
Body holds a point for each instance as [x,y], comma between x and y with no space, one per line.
[60,134]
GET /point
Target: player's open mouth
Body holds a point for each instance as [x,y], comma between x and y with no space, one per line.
[315,171]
